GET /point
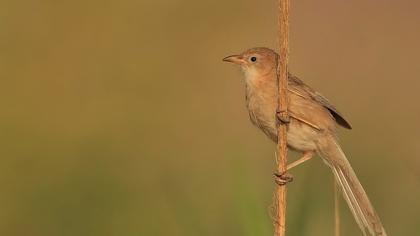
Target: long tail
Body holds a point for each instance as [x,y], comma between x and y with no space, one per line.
[352,190]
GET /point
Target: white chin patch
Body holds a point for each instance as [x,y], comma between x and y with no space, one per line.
[249,72]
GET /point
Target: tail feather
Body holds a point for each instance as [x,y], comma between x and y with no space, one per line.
[354,207]
[352,190]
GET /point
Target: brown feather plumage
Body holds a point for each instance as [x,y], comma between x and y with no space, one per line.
[312,128]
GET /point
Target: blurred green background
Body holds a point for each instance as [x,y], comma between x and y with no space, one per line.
[119,117]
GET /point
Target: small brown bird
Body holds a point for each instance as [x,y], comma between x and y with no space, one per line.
[312,127]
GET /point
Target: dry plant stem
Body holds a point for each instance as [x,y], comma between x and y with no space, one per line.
[282,72]
[336,208]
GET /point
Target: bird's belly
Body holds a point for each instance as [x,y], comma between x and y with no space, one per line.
[301,137]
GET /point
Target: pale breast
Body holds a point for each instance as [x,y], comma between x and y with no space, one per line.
[261,104]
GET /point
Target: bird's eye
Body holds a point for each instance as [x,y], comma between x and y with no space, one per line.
[253,59]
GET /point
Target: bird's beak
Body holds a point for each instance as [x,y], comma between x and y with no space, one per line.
[237,59]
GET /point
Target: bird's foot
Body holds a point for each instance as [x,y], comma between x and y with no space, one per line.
[282,117]
[283,178]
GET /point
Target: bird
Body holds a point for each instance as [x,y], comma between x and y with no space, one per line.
[311,129]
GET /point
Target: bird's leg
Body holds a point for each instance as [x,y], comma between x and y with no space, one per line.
[282,117]
[284,178]
[305,157]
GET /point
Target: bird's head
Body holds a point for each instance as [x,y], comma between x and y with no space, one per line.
[255,61]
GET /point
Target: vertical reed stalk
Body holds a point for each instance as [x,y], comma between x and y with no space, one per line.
[336,208]
[282,72]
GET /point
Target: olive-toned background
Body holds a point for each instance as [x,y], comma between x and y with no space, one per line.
[119,117]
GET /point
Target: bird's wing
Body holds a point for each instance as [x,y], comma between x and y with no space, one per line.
[300,88]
